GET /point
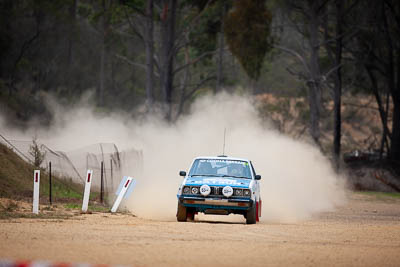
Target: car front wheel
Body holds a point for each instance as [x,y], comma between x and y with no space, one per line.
[181,214]
[251,215]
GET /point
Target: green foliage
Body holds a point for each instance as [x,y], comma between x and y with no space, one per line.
[84,9]
[206,22]
[72,206]
[91,207]
[98,208]
[62,189]
[247,30]
[200,4]
[204,35]
[16,180]
[117,14]
[138,5]
[15,175]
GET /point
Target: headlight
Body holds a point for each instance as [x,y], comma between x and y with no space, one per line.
[227,191]
[205,190]
[247,193]
[238,192]
[186,189]
[195,190]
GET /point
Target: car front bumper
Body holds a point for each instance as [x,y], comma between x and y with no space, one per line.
[216,202]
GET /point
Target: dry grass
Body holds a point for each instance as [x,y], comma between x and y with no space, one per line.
[16,181]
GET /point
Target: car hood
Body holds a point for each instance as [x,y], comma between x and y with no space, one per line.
[218,181]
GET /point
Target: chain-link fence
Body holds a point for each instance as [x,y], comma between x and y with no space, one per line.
[103,158]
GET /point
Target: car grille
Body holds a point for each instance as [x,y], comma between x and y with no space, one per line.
[216,191]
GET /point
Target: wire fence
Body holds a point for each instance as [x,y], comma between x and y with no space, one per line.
[74,164]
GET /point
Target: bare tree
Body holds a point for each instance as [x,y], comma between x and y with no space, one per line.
[167,55]
[163,48]
[306,17]
[221,46]
[104,31]
[149,44]
[337,95]
[377,48]
[334,46]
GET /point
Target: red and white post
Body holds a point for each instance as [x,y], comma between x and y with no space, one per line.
[86,194]
[36,184]
[121,194]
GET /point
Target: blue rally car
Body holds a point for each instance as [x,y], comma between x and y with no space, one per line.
[220,185]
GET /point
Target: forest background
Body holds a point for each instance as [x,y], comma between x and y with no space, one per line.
[324,70]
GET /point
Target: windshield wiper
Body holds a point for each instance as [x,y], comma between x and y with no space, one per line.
[225,175]
[202,175]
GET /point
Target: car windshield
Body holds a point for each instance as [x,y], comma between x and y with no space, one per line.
[221,168]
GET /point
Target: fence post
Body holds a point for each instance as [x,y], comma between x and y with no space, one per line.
[112,178]
[36,191]
[86,194]
[50,196]
[101,184]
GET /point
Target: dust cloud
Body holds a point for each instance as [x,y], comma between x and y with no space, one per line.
[297,180]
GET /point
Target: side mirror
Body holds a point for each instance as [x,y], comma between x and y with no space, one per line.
[257,177]
[182,173]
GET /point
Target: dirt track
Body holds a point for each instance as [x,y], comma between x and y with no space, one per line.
[366,232]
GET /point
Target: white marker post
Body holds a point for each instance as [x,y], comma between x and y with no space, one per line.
[36,184]
[126,184]
[86,194]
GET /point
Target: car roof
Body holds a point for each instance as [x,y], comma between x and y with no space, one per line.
[222,158]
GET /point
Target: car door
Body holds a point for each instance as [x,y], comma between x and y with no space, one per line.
[257,182]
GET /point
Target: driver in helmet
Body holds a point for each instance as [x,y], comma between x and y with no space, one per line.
[205,168]
[236,170]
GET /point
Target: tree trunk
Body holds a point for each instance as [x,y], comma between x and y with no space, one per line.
[315,97]
[167,54]
[220,58]
[183,84]
[100,93]
[6,17]
[395,144]
[385,133]
[149,43]
[392,44]
[338,87]
[375,90]
[71,37]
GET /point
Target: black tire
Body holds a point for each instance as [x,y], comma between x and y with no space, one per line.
[181,214]
[251,216]
[190,213]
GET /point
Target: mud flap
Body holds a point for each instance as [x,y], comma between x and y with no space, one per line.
[257,210]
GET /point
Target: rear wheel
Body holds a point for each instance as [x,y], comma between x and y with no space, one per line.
[251,215]
[181,214]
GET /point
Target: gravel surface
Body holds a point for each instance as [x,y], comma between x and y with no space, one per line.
[364,232]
